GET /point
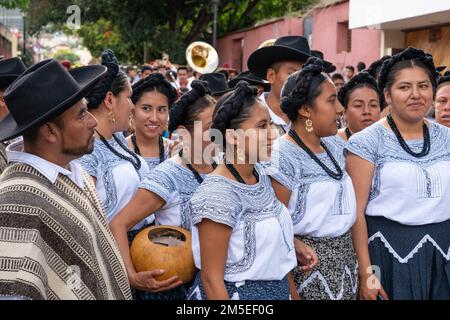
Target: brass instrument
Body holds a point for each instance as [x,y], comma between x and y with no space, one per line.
[267,43]
[202,57]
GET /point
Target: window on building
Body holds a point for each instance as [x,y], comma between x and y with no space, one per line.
[344,38]
[237,55]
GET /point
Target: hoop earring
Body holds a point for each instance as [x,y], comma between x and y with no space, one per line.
[309,126]
[111,118]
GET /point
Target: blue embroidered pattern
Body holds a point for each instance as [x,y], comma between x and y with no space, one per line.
[379,145]
[101,163]
[297,169]
[170,177]
[155,161]
[235,204]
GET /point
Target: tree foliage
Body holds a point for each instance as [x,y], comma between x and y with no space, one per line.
[131,27]
[66,54]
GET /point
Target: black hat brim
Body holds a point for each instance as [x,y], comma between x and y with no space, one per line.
[87,78]
[233,82]
[263,58]
[219,93]
[328,67]
[7,79]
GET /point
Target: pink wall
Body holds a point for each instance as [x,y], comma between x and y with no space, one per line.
[365,43]
[228,46]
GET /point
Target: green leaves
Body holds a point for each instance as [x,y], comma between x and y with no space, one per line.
[13,4]
[127,26]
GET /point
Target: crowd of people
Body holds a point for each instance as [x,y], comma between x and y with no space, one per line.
[295,181]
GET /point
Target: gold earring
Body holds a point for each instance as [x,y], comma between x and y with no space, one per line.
[309,126]
[111,118]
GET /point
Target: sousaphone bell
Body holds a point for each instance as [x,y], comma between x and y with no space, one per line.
[202,57]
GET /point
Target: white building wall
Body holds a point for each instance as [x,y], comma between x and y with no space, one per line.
[375,13]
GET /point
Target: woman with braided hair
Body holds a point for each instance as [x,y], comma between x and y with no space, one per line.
[166,190]
[116,169]
[242,236]
[442,100]
[400,168]
[362,102]
[310,179]
[152,98]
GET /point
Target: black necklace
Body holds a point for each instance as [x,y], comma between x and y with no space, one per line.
[134,159]
[196,174]
[426,139]
[236,174]
[335,175]
[138,151]
[348,133]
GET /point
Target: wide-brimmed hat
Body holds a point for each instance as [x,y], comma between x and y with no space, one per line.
[327,66]
[10,70]
[42,93]
[251,79]
[295,48]
[217,83]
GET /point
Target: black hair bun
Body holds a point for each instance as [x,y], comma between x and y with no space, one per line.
[375,66]
[231,107]
[357,80]
[154,80]
[408,54]
[313,65]
[179,108]
[299,95]
[444,78]
[98,94]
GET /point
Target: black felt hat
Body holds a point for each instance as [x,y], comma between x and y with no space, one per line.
[295,48]
[251,79]
[42,93]
[327,66]
[217,83]
[10,70]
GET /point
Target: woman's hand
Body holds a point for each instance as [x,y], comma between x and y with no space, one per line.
[370,288]
[306,256]
[145,281]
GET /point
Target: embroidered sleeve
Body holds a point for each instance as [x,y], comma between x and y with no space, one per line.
[215,200]
[90,163]
[364,144]
[281,168]
[160,182]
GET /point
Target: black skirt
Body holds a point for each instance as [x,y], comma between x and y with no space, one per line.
[413,261]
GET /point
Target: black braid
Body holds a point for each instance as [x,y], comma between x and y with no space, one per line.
[181,113]
[374,68]
[362,79]
[156,82]
[98,94]
[410,54]
[234,108]
[304,86]
[444,78]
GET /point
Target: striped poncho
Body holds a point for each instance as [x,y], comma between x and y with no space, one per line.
[55,242]
[3,159]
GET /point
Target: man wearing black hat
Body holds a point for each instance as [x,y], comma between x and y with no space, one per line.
[328,66]
[250,78]
[217,83]
[10,70]
[275,63]
[54,239]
